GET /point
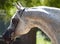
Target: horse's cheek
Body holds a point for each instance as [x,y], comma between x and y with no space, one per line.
[20,28]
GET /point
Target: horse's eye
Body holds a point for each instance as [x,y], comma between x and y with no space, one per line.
[15,21]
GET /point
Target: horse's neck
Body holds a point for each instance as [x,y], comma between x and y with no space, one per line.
[46,13]
[45,17]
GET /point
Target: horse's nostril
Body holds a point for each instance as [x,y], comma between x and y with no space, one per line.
[6,36]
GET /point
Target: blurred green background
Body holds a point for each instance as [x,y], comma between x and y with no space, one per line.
[7,9]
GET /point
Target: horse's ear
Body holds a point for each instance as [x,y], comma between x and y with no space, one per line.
[18,6]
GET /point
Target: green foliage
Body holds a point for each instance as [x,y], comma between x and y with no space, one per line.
[40,39]
[7,5]
[30,3]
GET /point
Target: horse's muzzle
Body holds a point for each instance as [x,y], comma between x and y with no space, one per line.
[7,35]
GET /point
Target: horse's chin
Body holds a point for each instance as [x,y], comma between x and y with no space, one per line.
[6,40]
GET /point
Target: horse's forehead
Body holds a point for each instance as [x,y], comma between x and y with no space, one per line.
[15,16]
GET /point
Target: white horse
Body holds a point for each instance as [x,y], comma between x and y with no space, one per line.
[45,18]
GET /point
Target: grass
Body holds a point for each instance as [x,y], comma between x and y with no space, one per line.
[41,39]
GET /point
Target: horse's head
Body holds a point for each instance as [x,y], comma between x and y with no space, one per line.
[16,22]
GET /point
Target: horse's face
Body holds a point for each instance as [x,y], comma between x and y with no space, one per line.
[13,27]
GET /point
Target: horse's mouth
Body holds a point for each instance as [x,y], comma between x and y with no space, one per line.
[7,36]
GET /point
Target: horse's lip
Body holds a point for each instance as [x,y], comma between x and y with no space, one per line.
[1,38]
[7,36]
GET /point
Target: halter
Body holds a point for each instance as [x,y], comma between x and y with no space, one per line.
[19,16]
[21,12]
